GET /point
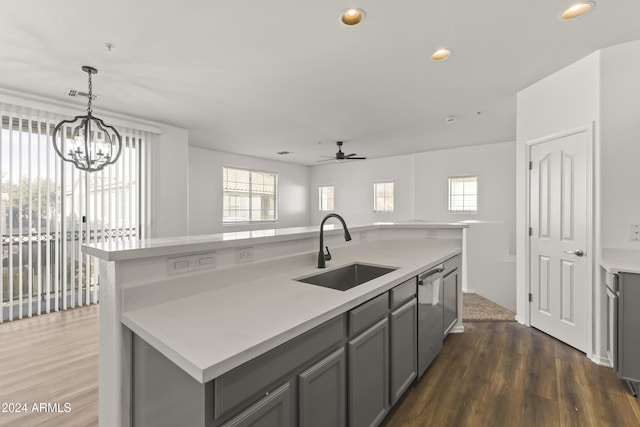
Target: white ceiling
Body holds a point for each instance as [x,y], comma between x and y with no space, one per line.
[257,77]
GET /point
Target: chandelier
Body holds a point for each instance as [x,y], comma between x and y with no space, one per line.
[86,141]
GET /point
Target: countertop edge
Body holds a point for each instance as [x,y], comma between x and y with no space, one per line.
[121,251]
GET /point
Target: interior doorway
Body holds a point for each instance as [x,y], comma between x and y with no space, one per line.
[561,235]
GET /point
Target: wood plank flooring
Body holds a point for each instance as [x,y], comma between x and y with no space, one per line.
[505,374]
[495,374]
[51,359]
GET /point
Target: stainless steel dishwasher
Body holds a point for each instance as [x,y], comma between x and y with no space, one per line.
[430,316]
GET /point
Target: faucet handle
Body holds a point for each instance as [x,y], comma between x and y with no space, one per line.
[327,256]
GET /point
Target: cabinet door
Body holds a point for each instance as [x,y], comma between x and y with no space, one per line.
[273,410]
[450,301]
[628,321]
[404,348]
[369,375]
[612,328]
[322,392]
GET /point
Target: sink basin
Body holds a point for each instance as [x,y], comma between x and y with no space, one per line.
[347,277]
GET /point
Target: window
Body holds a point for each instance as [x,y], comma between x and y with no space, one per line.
[49,209]
[383,197]
[248,196]
[325,198]
[463,194]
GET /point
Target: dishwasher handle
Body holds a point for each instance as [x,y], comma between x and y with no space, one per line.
[434,271]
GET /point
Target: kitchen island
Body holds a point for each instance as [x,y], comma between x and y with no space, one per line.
[212,318]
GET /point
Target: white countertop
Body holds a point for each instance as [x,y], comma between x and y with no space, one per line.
[620,260]
[213,332]
[126,250]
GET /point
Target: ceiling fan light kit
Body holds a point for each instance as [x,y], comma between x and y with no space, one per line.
[87,141]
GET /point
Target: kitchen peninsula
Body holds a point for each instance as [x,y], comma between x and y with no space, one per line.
[209,304]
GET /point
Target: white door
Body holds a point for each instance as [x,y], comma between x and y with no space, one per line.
[559,233]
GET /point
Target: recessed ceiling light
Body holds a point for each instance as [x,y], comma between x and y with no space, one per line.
[441,54]
[284,153]
[450,119]
[352,16]
[577,10]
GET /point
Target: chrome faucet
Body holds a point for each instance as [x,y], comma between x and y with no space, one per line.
[322,257]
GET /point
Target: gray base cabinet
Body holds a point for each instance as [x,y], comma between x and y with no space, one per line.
[404,348]
[349,371]
[451,284]
[271,411]
[322,393]
[628,337]
[368,364]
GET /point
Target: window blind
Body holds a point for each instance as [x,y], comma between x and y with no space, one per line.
[49,209]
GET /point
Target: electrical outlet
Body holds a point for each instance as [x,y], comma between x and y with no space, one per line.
[179,265]
[432,234]
[634,232]
[203,261]
[244,255]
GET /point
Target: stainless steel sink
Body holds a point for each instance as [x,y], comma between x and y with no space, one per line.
[347,277]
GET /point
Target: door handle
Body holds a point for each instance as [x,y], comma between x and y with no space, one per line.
[577,252]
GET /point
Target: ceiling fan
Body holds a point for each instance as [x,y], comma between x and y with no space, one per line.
[340,156]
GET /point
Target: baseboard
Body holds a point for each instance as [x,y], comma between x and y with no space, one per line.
[601,360]
[521,320]
[457,329]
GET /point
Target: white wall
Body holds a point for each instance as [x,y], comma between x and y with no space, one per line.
[169,183]
[620,147]
[205,191]
[421,187]
[563,101]
[494,164]
[491,237]
[353,188]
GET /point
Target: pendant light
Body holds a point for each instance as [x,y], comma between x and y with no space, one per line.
[86,141]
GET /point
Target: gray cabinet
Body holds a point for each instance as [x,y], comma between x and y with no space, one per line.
[322,393]
[451,284]
[346,372]
[403,348]
[273,410]
[368,367]
[628,337]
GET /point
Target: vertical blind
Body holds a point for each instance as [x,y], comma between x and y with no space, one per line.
[49,209]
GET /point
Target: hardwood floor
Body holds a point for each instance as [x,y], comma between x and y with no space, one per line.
[495,374]
[505,374]
[50,359]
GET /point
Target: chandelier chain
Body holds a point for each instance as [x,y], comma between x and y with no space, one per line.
[90,94]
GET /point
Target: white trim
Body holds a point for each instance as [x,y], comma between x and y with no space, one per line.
[590,255]
[71,109]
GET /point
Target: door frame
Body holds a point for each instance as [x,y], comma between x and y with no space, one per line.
[591,226]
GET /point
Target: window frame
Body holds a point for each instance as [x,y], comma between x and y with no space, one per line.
[393,196]
[333,198]
[252,221]
[463,194]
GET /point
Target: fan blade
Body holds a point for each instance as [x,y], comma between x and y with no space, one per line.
[325,160]
[350,155]
[356,158]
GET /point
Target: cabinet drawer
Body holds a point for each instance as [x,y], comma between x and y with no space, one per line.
[452,264]
[368,313]
[403,293]
[255,377]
